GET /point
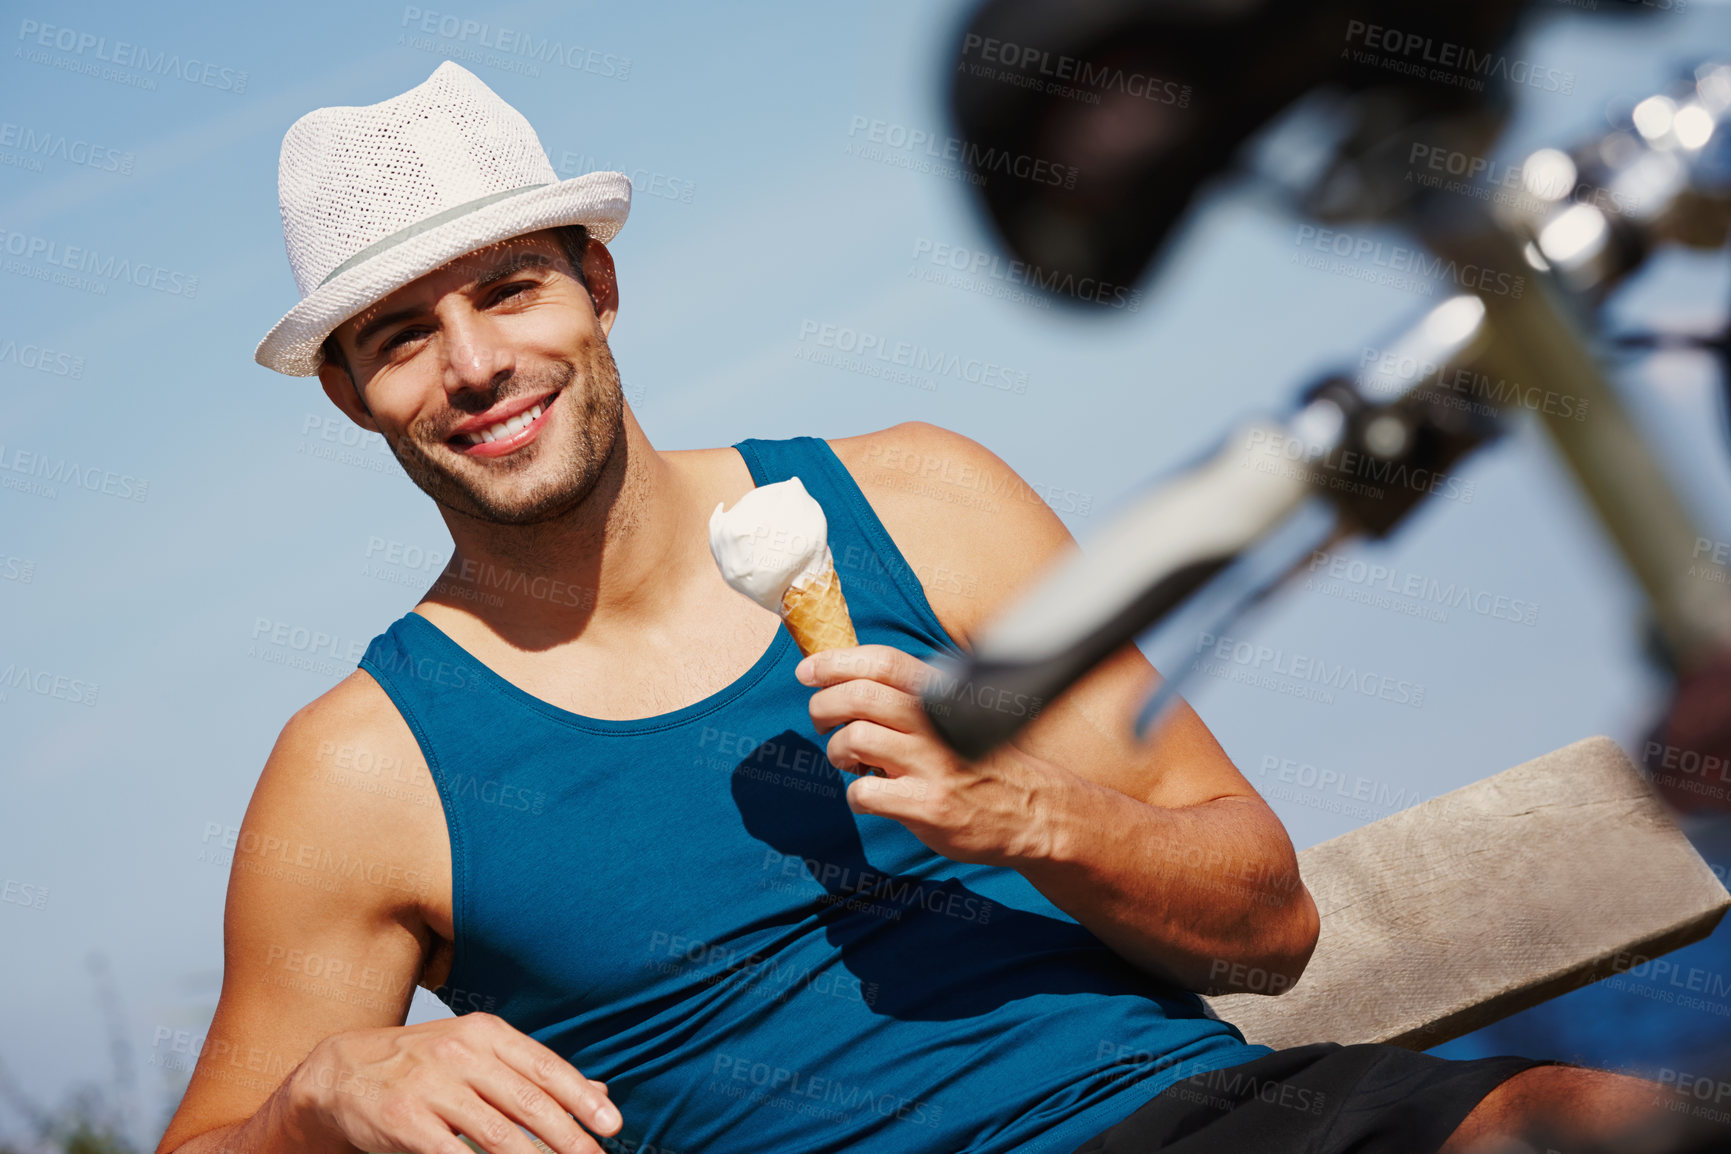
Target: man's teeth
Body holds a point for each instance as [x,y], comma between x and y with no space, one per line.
[504,428]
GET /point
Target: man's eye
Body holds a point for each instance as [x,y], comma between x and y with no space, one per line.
[401,337]
[512,290]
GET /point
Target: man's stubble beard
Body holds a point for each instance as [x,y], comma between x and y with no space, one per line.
[595,416]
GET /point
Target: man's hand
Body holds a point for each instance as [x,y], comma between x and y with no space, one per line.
[987,811]
[1119,865]
[407,1088]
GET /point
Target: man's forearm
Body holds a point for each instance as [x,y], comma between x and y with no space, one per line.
[281,1125]
[1206,896]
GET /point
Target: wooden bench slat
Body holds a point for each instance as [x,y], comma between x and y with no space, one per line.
[1481,902]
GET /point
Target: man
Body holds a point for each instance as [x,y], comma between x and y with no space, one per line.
[578,791]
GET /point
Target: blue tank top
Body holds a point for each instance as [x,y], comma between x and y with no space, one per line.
[684,907]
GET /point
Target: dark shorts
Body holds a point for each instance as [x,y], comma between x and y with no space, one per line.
[1319,1099]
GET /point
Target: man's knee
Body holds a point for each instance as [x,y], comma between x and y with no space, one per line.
[1560,1103]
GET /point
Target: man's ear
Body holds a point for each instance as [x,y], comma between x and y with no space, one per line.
[340,388]
[603,286]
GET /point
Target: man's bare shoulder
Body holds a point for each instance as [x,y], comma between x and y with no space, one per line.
[357,698]
[356,710]
[346,789]
[971,528]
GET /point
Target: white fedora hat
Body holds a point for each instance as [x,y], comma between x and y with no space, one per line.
[375,195]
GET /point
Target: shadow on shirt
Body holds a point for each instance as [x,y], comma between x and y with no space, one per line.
[935,949]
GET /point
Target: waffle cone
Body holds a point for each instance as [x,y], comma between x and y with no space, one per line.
[817,616]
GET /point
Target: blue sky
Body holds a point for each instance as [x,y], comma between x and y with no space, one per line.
[751,223]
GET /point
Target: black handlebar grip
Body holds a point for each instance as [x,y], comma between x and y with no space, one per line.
[978,701]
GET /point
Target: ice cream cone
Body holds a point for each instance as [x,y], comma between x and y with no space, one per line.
[816,614]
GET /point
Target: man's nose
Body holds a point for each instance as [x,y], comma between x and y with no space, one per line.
[476,354]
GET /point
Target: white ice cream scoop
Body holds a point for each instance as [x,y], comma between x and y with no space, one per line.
[774,537]
[773,546]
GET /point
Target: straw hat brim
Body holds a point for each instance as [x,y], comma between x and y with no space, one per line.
[598,200]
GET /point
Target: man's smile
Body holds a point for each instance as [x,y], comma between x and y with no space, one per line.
[504,428]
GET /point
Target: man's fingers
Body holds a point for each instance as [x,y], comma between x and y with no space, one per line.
[871,700]
[573,1093]
[892,797]
[433,1135]
[859,744]
[893,667]
[527,1104]
[492,1131]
